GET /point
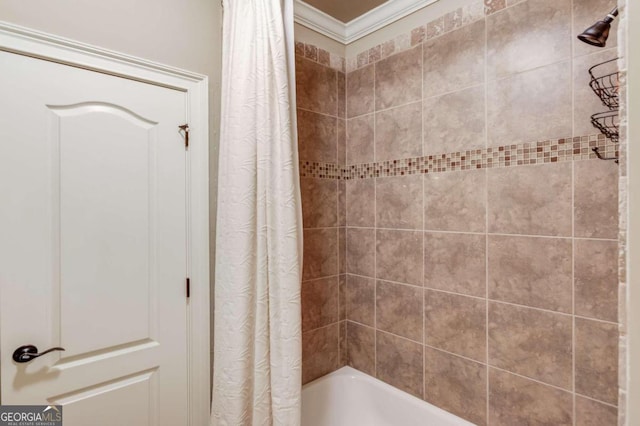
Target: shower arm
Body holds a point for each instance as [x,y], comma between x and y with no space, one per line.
[612,15]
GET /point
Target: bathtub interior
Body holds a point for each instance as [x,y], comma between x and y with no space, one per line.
[348,397]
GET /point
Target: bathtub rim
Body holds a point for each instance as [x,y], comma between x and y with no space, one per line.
[353,374]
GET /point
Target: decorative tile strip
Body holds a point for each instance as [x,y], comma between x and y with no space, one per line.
[321,170]
[449,22]
[493,6]
[320,56]
[542,152]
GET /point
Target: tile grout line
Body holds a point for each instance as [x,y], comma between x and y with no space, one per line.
[597,400]
[324,114]
[486,216]
[530,378]
[492,234]
[502,302]
[321,278]
[422,195]
[573,82]
[573,290]
[346,128]
[346,211]
[451,92]
[322,327]
[573,325]
[337,189]
[406,104]
[457,355]
[573,225]
[375,235]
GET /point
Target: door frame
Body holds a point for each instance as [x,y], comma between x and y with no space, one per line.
[28,42]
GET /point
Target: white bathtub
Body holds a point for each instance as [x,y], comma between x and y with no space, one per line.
[348,397]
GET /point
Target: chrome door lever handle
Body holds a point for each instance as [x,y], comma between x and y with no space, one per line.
[27,353]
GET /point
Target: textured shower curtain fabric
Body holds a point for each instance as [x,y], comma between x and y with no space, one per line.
[257,325]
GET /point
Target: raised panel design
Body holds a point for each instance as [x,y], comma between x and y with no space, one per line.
[130,401]
[127,349]
[104,208]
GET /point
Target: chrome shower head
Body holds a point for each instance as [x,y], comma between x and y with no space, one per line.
[597,34]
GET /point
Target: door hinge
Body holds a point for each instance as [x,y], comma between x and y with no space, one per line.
[188,282]
[185,129]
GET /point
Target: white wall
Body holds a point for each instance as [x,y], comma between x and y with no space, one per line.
[185,34]
[181,33]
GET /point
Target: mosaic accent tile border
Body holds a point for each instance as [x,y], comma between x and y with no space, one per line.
[541,152]
[449,22]
[320,56]
[321,170]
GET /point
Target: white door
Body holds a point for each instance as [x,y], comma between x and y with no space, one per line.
[93,244]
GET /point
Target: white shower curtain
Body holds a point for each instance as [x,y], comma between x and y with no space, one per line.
[257,326]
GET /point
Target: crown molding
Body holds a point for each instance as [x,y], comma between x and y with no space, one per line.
[383,15]
[318,21]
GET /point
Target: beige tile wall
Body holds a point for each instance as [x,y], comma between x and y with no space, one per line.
[320,84]
[491,293]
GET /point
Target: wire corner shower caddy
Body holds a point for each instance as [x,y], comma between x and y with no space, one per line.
[605,83]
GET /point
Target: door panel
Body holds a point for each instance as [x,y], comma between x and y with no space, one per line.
[93,248]
[106,185]
[131,398]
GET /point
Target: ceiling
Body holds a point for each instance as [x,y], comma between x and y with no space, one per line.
[345,10]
